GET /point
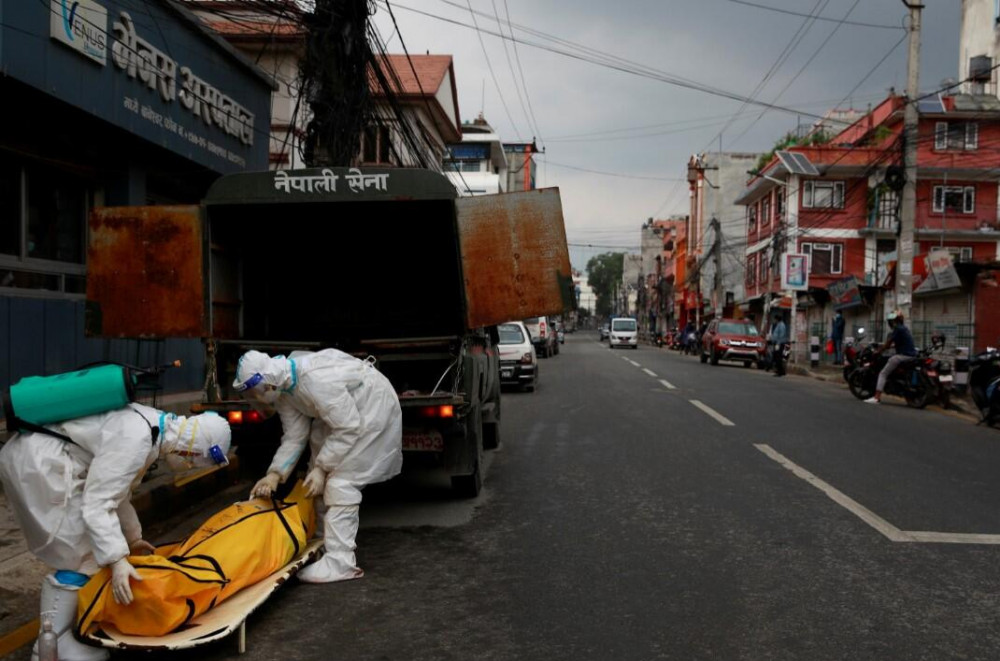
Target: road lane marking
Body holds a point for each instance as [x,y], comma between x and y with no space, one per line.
[888,530]
[649,372]
[668,385]
[633,362]
[721,419]
[848,503]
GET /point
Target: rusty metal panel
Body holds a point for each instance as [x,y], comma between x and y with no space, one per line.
[515,260]
[146,273]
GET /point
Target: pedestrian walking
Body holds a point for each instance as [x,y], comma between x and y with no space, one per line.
[779,340]
[837,335]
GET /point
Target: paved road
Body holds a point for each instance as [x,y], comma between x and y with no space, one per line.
[623,521]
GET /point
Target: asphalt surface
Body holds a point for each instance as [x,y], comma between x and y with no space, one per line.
[622,521]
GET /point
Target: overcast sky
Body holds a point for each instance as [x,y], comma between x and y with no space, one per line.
[634,134]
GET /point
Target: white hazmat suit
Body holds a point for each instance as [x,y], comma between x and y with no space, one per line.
[349,414]
[72,499]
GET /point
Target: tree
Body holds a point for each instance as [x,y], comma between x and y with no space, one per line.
[604,275]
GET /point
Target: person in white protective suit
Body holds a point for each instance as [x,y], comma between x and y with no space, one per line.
[71,498]
[349,414]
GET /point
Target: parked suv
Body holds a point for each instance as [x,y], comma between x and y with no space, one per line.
[518,365]
[624,333]
[543,336]
[732,339]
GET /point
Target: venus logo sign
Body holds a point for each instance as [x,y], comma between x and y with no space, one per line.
[82,25]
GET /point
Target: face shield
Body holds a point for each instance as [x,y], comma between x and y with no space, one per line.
[259,378]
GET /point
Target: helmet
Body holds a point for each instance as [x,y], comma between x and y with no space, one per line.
[895,317]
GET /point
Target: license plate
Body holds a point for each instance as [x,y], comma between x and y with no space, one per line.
[947,378]
[506,373]
[423,441]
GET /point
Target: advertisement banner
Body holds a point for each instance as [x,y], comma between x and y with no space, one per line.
[845,293]
[938,271]
[795,272]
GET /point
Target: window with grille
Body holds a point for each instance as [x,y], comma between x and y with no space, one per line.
[751,270]
[955,199]
[956,135]
[824,258]
[765,211]
[752,216]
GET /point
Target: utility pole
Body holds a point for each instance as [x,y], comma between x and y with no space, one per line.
[911,121]
[717,253]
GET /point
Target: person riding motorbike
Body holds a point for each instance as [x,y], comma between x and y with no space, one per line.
[906,351]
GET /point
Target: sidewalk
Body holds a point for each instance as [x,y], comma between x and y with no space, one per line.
[834,374]
[162,496]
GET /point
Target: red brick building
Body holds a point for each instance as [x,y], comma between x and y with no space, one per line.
[839,204]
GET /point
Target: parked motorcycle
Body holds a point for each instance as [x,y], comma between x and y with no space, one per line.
[851,352]
[939,371]
[909,381]
[984,384]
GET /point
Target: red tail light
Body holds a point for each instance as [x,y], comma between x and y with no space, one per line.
[443,411]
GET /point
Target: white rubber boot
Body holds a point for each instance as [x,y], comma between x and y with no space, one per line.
[60,601]
[340,527]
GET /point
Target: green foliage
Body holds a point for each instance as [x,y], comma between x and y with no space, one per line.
[791,140]
[604,275]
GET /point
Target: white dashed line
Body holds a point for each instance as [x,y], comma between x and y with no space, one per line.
[668,385]
[721,419]
[633,362]
[649,372]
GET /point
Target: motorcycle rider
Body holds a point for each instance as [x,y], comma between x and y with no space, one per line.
[906,351]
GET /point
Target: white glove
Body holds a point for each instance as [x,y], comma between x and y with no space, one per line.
[265,486]
[141,547]
[315,482]
[121,572]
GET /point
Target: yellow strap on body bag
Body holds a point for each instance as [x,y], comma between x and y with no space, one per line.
[237,547]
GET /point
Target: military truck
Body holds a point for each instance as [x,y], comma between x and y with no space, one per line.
[380,262]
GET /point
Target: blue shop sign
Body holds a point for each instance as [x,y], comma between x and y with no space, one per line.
[149,68]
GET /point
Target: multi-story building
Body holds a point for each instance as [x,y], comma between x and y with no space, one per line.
[716,180]
[838,204]
[978,47]
[118,103]
[521,165]
[477,165]
[274,37]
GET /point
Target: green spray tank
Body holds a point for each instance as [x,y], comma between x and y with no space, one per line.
[43,400]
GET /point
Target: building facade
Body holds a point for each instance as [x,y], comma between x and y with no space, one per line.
[274,38]
[716,181]
[521,166]
[838,204]
[477,165]
[106,105]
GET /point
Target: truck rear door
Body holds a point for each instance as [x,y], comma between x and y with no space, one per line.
[146,273]
[515,260]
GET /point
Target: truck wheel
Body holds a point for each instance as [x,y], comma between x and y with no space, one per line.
[469,486]
[491,435]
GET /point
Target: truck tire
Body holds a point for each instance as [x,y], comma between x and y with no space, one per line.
[469,486]
[491,435]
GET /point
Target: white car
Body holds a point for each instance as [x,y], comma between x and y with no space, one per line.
[624,333]
[518,361]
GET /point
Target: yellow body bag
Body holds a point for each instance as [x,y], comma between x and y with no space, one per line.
[236,547]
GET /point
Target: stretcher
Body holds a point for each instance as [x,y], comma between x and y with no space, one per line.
[217,623]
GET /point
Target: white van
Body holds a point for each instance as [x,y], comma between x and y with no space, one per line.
[624,333]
